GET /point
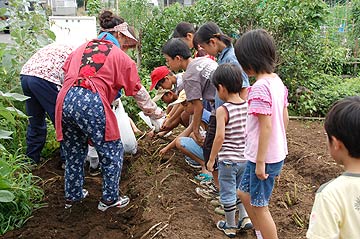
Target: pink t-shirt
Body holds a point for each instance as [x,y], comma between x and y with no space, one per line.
[268,96]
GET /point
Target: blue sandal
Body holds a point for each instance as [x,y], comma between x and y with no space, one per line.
[203,177]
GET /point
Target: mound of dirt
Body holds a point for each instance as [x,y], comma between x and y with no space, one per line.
[163,199]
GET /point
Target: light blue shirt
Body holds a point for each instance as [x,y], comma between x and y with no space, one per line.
[228,56]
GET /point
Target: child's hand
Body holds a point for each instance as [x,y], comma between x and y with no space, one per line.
[151,134]
[163,151]
[199,138]
[260,171]
[210,165]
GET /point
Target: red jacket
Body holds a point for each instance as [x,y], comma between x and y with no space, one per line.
[119,71]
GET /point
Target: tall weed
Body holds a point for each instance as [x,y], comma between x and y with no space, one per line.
[19,191]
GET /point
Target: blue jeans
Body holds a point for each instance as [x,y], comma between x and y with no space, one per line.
[260,190]
[190,145]
[83,119]
[42,101]
[230,174]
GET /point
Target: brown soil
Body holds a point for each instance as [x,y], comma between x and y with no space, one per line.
[163,196]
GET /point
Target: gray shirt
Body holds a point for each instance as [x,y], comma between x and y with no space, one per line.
[197,79]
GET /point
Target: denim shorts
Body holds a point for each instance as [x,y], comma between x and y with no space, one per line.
[190,145]
[260,190]
[230,174]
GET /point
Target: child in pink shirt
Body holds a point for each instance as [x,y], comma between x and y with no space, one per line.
[266,146]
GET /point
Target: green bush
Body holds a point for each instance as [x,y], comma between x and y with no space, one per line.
[355,15]
[320,92]
[93,7]
[19,193]
[156,32]
[330,93]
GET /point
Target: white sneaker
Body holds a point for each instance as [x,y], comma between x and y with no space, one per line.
[122,202]
[245,224]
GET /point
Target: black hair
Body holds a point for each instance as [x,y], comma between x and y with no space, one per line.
[210,30]
[158,84]
[229,76]
[343,122]
[255,50]
[176,47]
[182,29]
[109,20]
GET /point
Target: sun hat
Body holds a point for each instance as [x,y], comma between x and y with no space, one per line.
[124,29]
[160,93]
[157,74]
[181,98]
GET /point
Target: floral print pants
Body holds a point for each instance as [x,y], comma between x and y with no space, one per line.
[83,119]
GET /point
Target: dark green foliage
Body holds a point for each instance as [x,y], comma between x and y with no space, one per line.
[156,32]
[19,194]
[355,10]
[303,52]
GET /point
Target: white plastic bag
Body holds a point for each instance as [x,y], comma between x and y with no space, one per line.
[154,124]
[126,133]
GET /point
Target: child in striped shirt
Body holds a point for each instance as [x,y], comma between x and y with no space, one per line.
[229,145]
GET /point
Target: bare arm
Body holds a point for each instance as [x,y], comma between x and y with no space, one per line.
[172,145]
[221,118]
[264,140]
[244,93]
[173,119]
[286,118]
[198,109]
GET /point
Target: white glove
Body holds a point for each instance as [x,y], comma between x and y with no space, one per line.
[157,123]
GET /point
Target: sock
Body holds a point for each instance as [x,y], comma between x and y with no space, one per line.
[230,211]
[242,211]
[94,162]
[258,234]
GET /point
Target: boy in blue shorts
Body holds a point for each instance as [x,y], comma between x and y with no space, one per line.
[185,141]
[229,145]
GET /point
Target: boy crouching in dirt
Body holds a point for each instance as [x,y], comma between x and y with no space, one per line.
[336,210]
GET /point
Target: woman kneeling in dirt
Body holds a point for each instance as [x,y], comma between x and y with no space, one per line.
[95,72]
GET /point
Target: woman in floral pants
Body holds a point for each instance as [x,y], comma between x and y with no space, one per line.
[95,72]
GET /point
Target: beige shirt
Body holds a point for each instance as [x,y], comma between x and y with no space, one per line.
[336,210]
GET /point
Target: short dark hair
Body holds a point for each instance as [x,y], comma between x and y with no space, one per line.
[210,30]
[343,122]
[176,47]
[255,50]
[182,29]
[158,84]
[229,76]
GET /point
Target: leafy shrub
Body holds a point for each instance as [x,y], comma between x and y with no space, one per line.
[355,13]
[94,7]
[19,193]
[13,122]
[320,92]
[29,31]
[156,32]
[330,93]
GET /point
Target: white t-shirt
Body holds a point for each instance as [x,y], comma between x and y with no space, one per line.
[179,83]
[336,209]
